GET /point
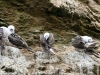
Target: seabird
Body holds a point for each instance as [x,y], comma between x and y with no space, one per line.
[13,39]
[85,43]
[47,40]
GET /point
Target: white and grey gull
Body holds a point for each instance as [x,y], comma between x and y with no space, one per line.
[86,43]
[47,40]
[13,39]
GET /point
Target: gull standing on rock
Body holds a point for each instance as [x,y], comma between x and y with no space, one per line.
[86,43]
[47,40]
[13,39]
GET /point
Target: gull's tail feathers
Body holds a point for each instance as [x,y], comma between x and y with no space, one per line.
[96,54]
[30,49]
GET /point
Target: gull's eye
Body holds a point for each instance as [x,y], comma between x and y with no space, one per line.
[89,40]
[11,30]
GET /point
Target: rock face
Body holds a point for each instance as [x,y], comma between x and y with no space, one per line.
[43,57]
[15,62]
[80,62]
[65,16]
[61,17]
[85,13]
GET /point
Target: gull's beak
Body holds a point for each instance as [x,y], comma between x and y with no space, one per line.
[13,31]
[51,50]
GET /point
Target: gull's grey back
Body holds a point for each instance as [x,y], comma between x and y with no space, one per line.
[77,42]
[51,39]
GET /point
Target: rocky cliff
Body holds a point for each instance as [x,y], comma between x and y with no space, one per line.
[64,18]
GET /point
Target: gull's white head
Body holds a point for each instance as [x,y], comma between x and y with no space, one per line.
[87,39]
[11,28]
[6,31]
[46,35]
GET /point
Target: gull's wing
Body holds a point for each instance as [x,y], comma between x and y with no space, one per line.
[90,46]
[16,40]
[51,40]
[43,43]
[78,42]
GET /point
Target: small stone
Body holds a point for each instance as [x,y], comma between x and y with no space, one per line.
[42,68]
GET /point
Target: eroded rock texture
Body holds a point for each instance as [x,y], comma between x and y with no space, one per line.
[16,62]
[84,15]
[64,18]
